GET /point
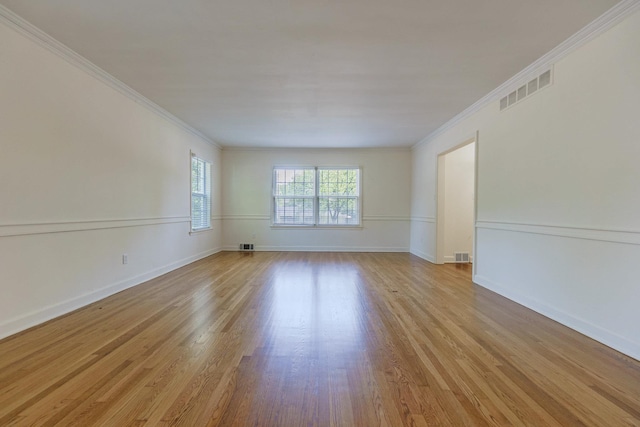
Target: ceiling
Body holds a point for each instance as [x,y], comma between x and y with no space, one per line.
[312,73]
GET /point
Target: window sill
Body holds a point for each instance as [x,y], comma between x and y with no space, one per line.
[200,230]
[316,227]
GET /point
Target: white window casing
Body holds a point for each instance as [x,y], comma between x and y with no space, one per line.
[317,196]
[200,194]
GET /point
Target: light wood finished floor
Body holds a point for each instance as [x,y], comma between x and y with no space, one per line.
[293,339]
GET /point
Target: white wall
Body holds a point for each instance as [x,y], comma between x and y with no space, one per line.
[459,188]
[558,226]
[246,200]
[86,174]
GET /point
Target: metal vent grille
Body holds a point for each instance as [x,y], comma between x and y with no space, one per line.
[527,89]
[461,257]
[246,246]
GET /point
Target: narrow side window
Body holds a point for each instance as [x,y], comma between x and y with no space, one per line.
[200,193]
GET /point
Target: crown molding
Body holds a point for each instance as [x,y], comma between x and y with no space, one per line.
[599,26]
[17,23]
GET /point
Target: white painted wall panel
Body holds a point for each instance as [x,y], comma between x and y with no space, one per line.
[554,277]
[386,191]
[563,161]
[86,174]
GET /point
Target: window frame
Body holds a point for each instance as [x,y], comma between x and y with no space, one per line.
[316,198]
[204,195]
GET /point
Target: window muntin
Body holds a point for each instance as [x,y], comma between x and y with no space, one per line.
[200,194]
[316,196]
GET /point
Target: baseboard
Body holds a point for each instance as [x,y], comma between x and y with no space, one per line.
[586,328]
[449,259]
[424,256]
[18,324]
[259,248]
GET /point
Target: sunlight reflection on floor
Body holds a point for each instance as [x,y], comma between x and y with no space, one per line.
[316,310]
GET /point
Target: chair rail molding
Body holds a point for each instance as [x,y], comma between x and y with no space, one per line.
[429,219]
[8,230]
[631,237]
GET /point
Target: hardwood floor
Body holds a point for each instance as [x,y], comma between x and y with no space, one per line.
[292,339]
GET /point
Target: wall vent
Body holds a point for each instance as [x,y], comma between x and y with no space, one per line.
[246,246]
[527,89]
[461,257]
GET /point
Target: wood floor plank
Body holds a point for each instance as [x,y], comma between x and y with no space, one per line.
[317,339]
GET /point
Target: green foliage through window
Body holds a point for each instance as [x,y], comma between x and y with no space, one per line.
[316,196]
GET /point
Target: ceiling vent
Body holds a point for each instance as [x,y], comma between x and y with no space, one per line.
[527,89]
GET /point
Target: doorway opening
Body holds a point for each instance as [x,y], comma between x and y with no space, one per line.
[456,203]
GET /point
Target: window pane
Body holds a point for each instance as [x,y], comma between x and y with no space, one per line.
[194,174]
[338,182]
[294,182]
[293,211]
[201,176]
[198,175]
[200,217]
[338,211]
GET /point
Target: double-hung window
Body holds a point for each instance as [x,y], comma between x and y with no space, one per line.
[200,193]
[316,196]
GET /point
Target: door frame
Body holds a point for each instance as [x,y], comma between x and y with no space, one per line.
[440,199]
